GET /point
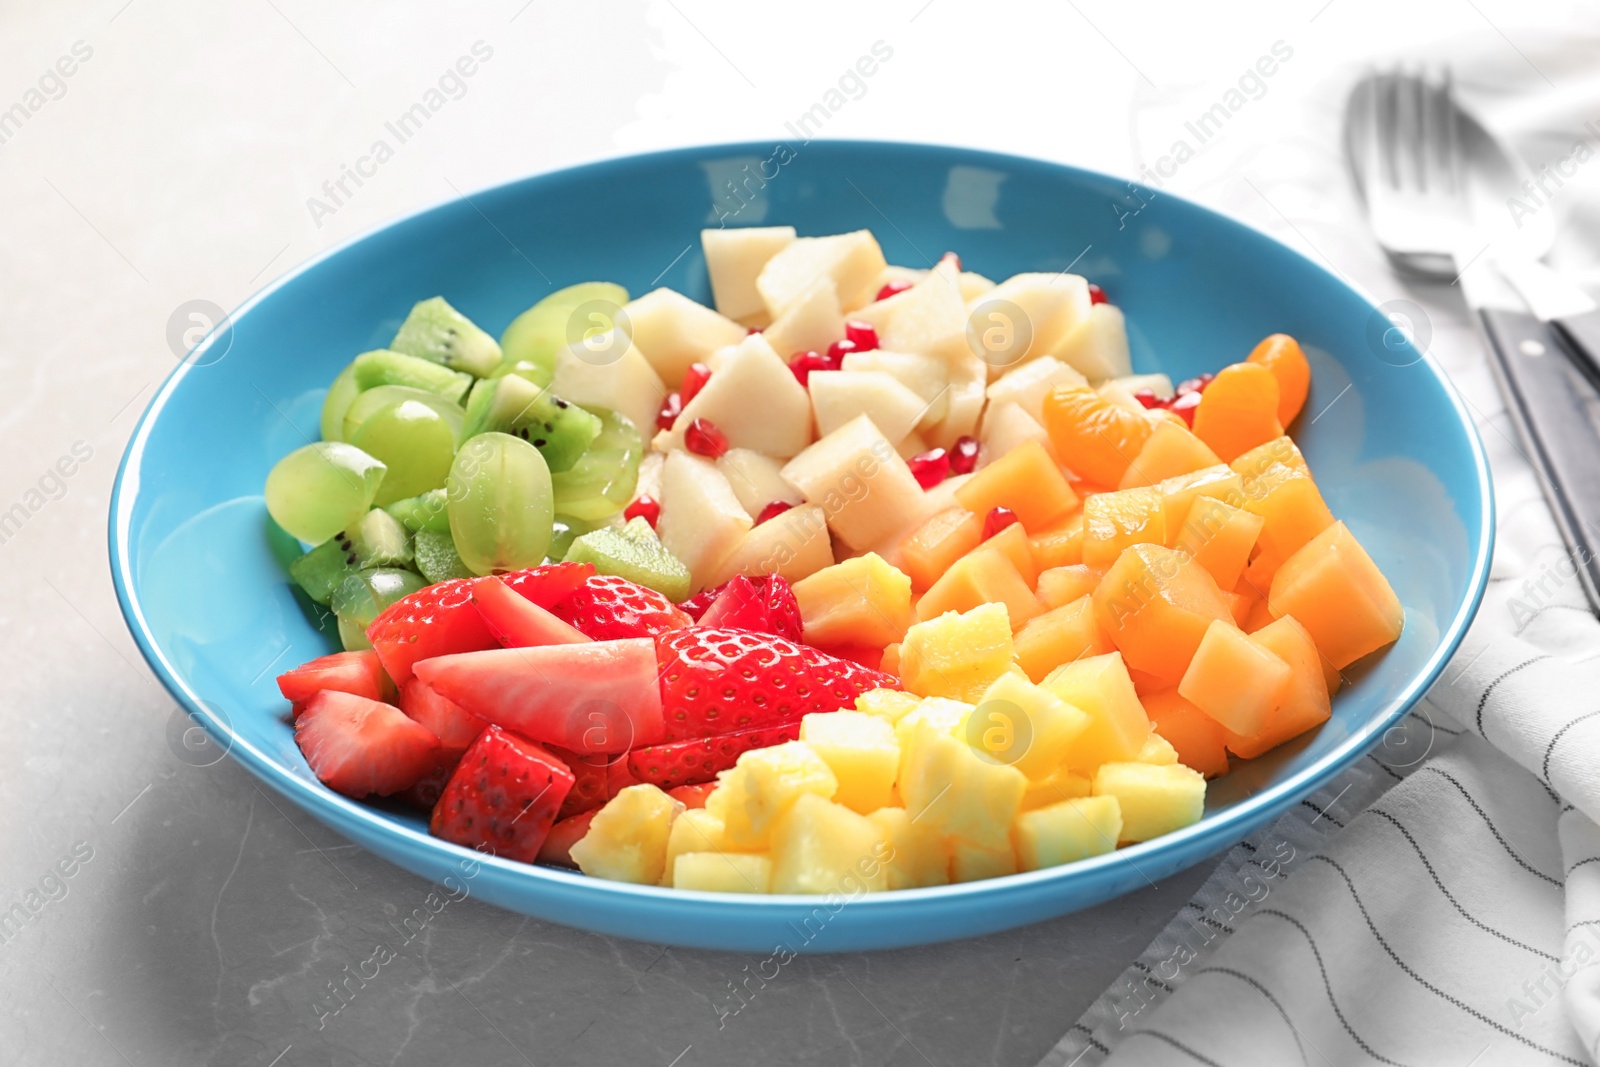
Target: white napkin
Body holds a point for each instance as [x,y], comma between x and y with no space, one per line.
[1439,903]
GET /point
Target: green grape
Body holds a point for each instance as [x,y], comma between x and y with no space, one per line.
[341,394]
[567,530]
[602,482]
[362,595]
[564,317]
[373,401]
[524,368]
[415,442]
[501,509]
[318,490]
[352,635]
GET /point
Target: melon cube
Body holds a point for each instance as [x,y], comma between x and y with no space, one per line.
[734,259]
[1279,450]
[609,371]
[780,425]
[794,545]
[822,847]
[1025,480]
[957,654]
[1155,604]
[1333,589]
[1063,784]
[890,705]
[1117,726]
[1171,450]
[722,872]
[1197,738]
[810,324]
[762,786]
[1157,750]
[1098,346]
[1061,545]
[858,601]
[1153,800]
[701,519]
[934,546]
[865,488]
[1070,830]
[627,839]
[1179,493]
[1233,679]
[695,830]
[1220,536]
[756,479]
[1059,636]
[852,261]
[948,784]
[1012,542]
[671,332]
[861,750]
[838,396]
[1063,585]
[917,854]
[1293,512]
[926,375]
[1303,703]
[971,862]
[1113,521]
[1027,386]
[930,317]
[984,576]
[1029,728]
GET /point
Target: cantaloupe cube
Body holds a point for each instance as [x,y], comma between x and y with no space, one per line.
[1157,750]
[1113,521]
[984,576]
[917,854]
[1171,450]
[671,332]
[1293,512]
[933,547]
[970,862]
[957,654]
[852,260]
[695,830]
[1068,830]
[1332,587]
[1234,679]
[1260,614]
[722,872]
[762,786]
[1061,545]
[864,486]
[1179,493]
[861,750]
[1062,784]
[1279,450]
[1153,800]
[734,258]
[1303,702]
[1145,684]
[1239,606]
[890,705]
[822,847]
[1118,725]
[1012,543]
[1025,480]
[627,839]
[890,663]
[1063,585]
[1197,738]
[1220,536]
[1155,604]
[1030,728]
[946,783]
[1059,636]
[859,601]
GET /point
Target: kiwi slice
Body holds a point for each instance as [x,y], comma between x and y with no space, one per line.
[426,512]
[363,594]
[437,332]
[436,556]
[511,404]
[377,540]
[634,553]
[383,367]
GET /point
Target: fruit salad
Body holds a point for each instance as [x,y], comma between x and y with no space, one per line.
[867,578]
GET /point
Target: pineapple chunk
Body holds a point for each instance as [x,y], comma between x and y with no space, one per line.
[822,847]
[939,714]
[974,863]
[951,786]
[862,752]
[957,655]
[852,260]
[859,601]
[762,786]
[1118,725]
[890,705]
[1157,750]
[917,854]
[719,872]
[627,839]
[671,332]
[1063,784]
[734,259]
[696,830]
[1154,800]
[1029,728]
[1070,830]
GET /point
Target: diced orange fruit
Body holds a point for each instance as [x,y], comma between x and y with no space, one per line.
[1220,536]
[1063,585]
[1179,493]
[1093,436]
[1155,604]
[860,601]
[1144,684]
[1061,545]
[982,577]
[1293,512]
[1281,355]
[1025,480]
[1012,543]
[1118,725]
[1199,739]
[1172,449]
[1332,587]
[1239,605]
[1059,636]
[1260,615]
[1113,521]
[942,539]
[1234,679]
[1303,703]
[1238,410]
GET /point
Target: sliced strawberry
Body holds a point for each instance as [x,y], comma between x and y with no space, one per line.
[346,672]
[358,746]
[503,796]
[600,696]
[435,621]
[692,796]
[619,777]
[608,608]
[687,763]
[769,607]
[550,583]
[557,847]
[869,656]
[589,775]
[722,681]
[455,728]
[516,621]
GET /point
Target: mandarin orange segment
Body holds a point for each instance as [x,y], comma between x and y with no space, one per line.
[1025,480]
[1220,536]
[1094,437]
[1155,604]
[1059,636]
[1281,355]
[1199,741]
[1171,450]
[1113,521]
[1234,678]
[1303,702]
[1333,589]
[1238,410]
[1061,545]
[934,546]
[1063,585]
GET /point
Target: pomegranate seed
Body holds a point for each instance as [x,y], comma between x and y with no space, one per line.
[646,508]
[671,408]
[964,455]
[1097,295]
[694,380]
[751,330]
[806,362]
[1195,385]
[838,350]
[773,510]
[930,468]
[1148,398]
[704,439]
[863,334]
[1184,404]
[899,285]
[953,258]
[997,519]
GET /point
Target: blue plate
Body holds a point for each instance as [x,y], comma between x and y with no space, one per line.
[204,591]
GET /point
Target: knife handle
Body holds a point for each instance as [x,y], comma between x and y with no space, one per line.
[1581,334]
[1555,409]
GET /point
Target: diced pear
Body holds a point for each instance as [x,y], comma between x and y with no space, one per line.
[819,846]
[754,400]
[734,259]
[837,396]
[1051,305]
[1028,385]
[701,518]
[893,273]
[1159,384]
[1098,346]
[722,872]
[852,260]
[810,324]
[792,545]
[671,331]
[930,317]
[1008,427]
[865,488]
[968,377]
[974,285]
[927,376]
[757,479]
[594,375]
[650,475]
